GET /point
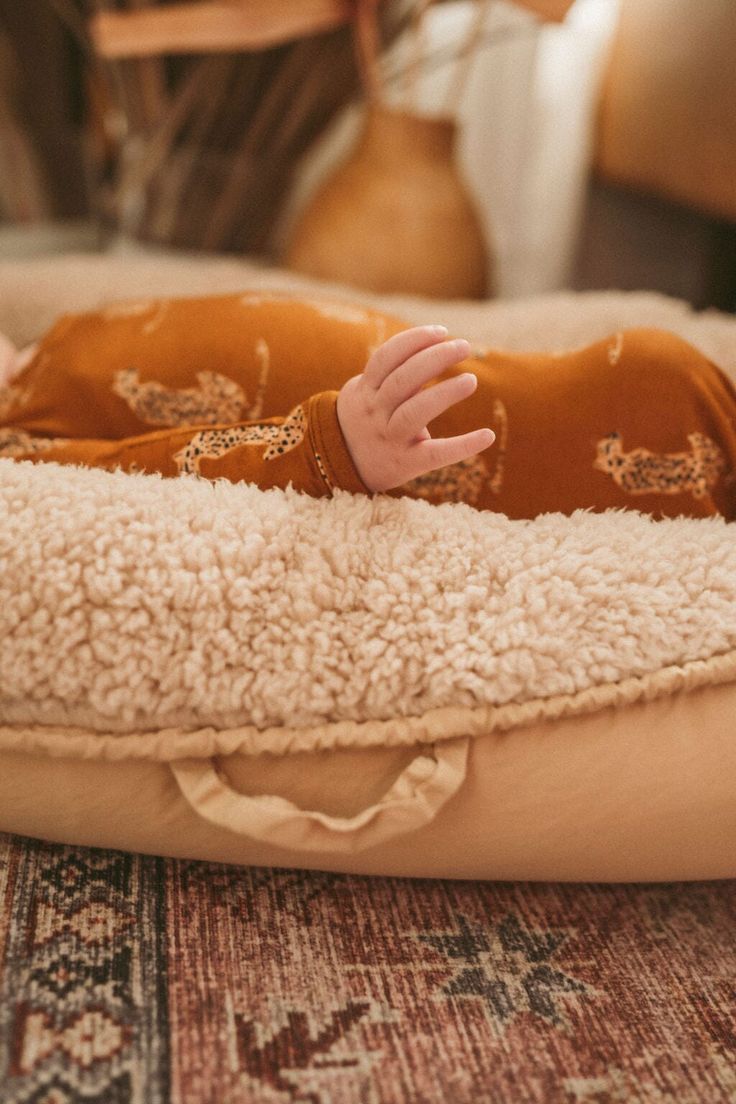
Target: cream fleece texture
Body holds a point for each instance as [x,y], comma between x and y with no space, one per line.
[33,293]
[130,603]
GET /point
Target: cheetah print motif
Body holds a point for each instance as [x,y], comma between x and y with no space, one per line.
[322,472]
[12,396]
[130,308]
[501,419]
[217,399]
[464,481]
[213,443]
[16,442]
[461,482]
[643,472]
[614,351]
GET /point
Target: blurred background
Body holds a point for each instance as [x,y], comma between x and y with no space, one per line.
[555,143]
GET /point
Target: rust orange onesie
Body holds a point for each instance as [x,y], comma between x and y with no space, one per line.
[244,387]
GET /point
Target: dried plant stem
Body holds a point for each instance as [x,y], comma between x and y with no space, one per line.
[152,81]
[201,144]
[159,143]
[23,189]
[264,118]
[70,16]
[208,164]
[287,146]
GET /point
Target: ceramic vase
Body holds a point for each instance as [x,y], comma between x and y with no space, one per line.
[396,216]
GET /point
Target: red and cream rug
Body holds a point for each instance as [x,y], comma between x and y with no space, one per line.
[130,979]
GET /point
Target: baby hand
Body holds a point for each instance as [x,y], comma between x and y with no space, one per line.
[383,412]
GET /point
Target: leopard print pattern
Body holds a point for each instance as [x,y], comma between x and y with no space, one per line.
[501,419]
[464,481]
[15,443]
[11,397]
[213,443]
[643,472]
[321,468]
[215,400]
[461,482]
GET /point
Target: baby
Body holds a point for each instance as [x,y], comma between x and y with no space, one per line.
[384,411]
[276,390]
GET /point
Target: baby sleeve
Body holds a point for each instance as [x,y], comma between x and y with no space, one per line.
[306,449]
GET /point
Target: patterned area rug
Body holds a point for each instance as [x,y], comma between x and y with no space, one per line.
[129,979]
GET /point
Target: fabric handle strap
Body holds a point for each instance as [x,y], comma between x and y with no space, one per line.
[414,799]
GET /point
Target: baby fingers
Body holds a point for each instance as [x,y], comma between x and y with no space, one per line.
[398,349]
[409,419]
[438,453]
[407,379]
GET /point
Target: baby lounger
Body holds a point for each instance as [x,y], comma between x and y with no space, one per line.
[378,686]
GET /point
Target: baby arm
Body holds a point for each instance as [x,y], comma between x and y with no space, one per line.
[375,427]
[384,411]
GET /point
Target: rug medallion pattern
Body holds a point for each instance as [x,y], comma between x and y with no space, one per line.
[132,979]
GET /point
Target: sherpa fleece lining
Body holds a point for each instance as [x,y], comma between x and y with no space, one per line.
[143,617]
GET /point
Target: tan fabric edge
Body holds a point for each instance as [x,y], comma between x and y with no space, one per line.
[168,744]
